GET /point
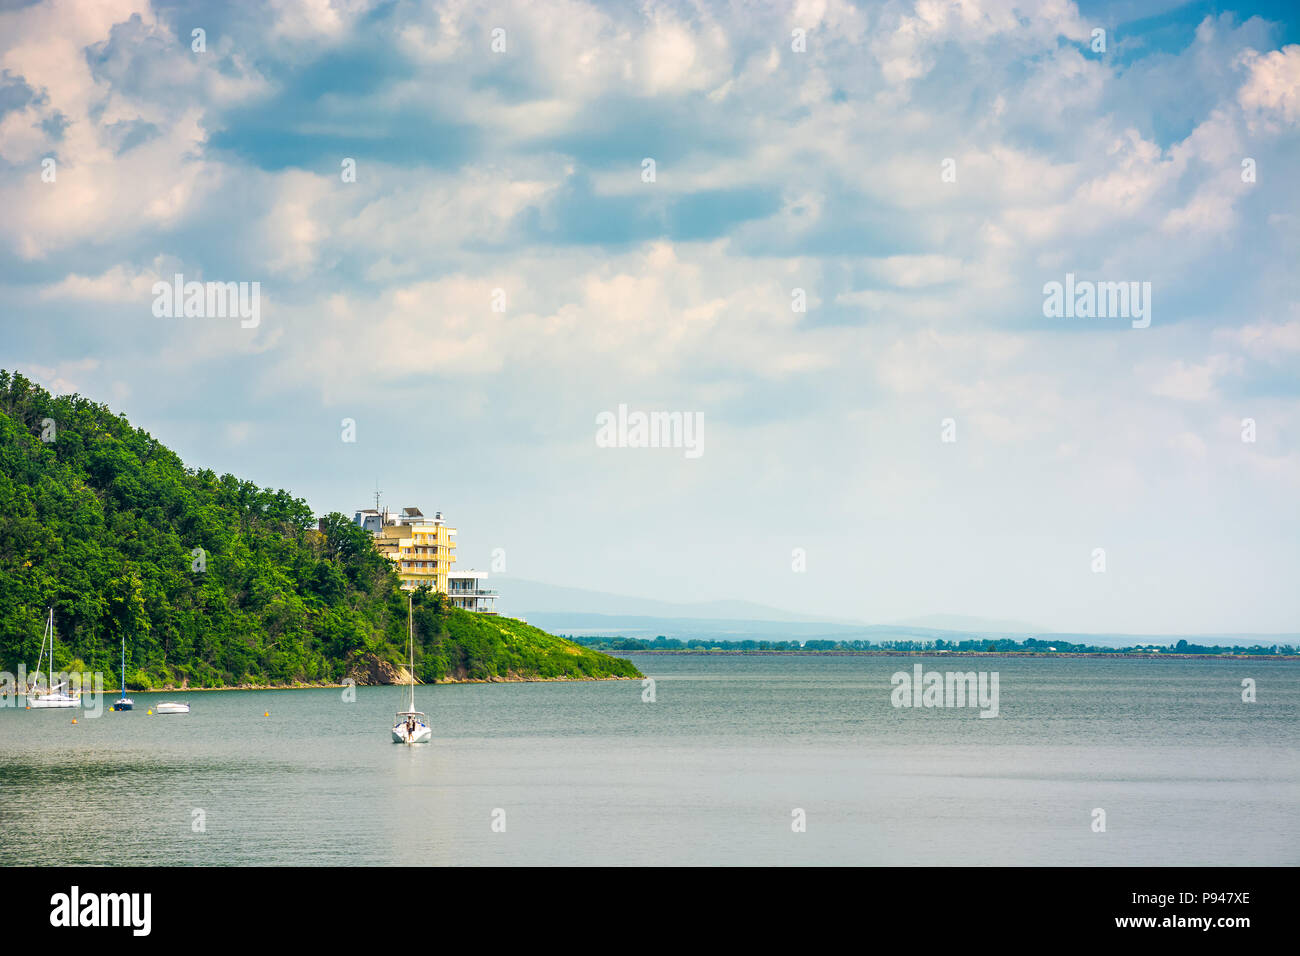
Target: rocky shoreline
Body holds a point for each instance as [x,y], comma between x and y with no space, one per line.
[374,672]
[512,679]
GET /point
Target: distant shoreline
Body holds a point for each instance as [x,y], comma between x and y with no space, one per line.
[1028,655]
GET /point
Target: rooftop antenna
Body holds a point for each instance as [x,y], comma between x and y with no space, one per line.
[377,494]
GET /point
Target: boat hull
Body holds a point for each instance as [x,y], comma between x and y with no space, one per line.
[172,709]
[124,704]
[422,735]
[56,701]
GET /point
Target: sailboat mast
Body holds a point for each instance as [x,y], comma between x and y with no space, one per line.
[48,633]
[410,651]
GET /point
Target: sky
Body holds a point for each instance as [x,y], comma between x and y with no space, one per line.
[460,250]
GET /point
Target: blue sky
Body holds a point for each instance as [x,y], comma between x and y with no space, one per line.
[775,170]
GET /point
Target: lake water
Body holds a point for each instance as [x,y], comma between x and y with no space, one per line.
[588,773]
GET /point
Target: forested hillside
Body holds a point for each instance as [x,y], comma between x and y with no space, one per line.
[210,579]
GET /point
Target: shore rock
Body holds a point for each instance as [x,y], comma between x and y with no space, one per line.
[370,670]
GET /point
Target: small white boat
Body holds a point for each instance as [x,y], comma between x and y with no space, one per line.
[411,726]
[51,697]
[168,707]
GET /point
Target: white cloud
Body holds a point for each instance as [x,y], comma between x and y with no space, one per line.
[914,272]
[64,378]
[1270,341]
[118,285]
[1189,381]
[1271,92]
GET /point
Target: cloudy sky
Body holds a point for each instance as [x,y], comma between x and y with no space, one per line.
[919,170]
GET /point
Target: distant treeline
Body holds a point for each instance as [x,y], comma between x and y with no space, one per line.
[1030,645]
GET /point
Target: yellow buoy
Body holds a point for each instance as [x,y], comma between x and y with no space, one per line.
[74,720]
[267,714]
[149,713]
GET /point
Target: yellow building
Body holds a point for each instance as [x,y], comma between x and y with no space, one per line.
[422,548]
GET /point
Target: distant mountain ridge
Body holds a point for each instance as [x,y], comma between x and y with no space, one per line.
[961,622]
[582,612]
[525,596]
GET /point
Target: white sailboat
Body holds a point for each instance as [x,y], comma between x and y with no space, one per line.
[52,696]
[411,726]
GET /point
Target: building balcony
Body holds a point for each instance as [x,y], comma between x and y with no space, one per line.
[471,604]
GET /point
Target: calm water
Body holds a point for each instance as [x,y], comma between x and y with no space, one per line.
[587,773]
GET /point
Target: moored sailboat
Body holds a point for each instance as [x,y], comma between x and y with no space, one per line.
[411,726]
[124,702]
[53,696]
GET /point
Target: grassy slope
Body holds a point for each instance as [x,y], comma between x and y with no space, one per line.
[523,651]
